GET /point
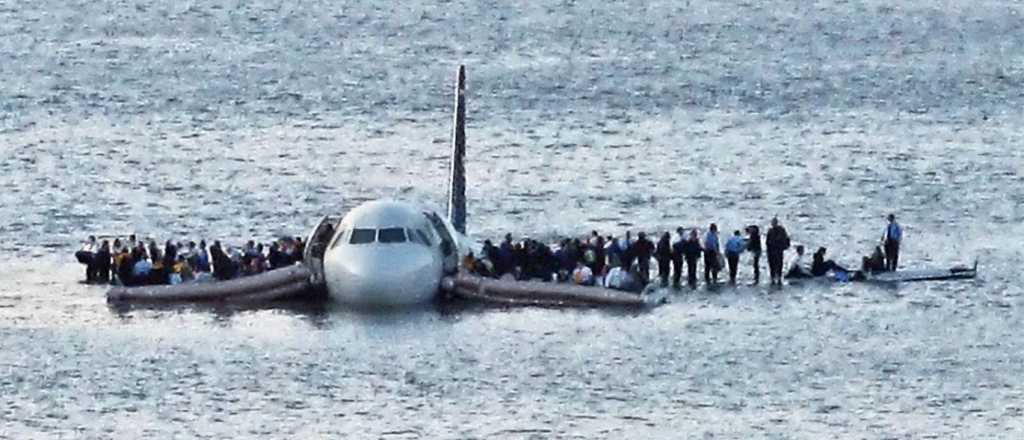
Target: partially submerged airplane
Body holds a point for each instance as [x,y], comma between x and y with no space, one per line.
[388,253]
[396,253]
[391,252]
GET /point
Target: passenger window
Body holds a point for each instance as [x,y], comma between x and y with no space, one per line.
[392,235]
[362,236]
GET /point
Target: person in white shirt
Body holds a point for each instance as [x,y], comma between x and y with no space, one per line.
[90,245]
[582,275]
[798,267]
[677,256]
[87,256]
[619,278]
[613,280]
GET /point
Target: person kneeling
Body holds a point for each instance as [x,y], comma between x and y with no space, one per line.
[875,262]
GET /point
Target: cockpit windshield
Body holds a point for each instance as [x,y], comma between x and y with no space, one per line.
[383,235]
[391,235]
[362,236]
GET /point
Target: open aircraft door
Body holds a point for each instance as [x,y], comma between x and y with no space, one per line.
[316,244]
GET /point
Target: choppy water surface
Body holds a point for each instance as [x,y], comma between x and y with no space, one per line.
[238,119]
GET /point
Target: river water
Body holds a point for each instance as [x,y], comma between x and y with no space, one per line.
[249,119]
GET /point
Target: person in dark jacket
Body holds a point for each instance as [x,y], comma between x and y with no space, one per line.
[125,270]
[613,252]
[875,262]
[490,253]
[599,256]
[564,260]
[203,264]
[155,255]
[820,266]
[711,255]
[754,247]
[643,249]
[777,241]
[300,248]
[677,257]
[663,253]
[628,247]
[521,258]
[275,257]
[222,266]
[548,266]
[691,252]
[86,256]
[506,257]
[170,254]
[102,263]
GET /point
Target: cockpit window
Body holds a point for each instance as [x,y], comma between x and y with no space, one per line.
[392,235]
[417,236]
[362,236]
[423,237]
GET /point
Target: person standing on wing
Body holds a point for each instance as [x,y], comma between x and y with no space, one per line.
[663,253]
[711,253]
[677,257]
[691,252]
[777,241]
[754,246]
[733,248]
[891,239]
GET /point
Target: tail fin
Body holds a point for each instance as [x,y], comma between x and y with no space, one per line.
[457,179]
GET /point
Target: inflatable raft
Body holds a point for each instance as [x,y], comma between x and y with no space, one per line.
[284,283]
[906,276]
[473,287]
[960,272]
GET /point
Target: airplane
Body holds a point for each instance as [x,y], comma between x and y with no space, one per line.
[393,252]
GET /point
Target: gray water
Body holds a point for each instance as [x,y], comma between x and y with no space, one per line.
[233,120]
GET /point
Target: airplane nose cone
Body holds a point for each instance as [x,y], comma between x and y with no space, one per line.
[382,276]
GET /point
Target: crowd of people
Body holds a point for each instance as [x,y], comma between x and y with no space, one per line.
[625,262]
[134,262]
[615,262]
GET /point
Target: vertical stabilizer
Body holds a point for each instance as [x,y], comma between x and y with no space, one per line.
[457,178]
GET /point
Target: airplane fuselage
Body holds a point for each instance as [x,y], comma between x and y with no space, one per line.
[391,253]
[385,253]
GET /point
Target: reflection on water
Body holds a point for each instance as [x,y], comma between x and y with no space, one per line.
[313,312]
[819,359]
